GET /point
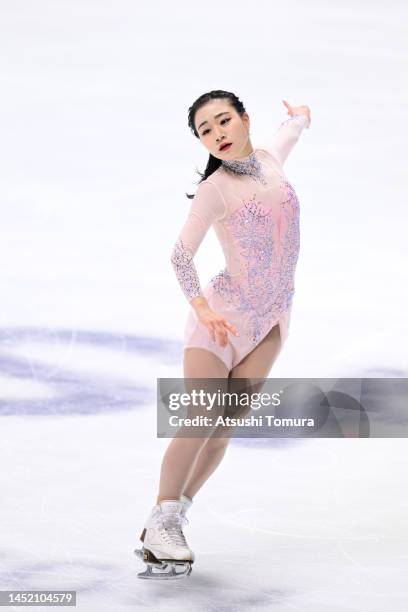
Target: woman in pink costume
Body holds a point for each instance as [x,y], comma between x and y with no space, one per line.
[238,323]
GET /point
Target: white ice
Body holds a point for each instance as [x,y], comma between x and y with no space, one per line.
[96,157]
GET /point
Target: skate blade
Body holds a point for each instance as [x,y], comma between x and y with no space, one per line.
[161,567]
[170,574]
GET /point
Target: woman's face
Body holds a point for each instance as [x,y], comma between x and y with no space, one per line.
[218,123]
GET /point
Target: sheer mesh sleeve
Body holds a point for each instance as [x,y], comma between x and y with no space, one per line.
[207,206]
[286,136]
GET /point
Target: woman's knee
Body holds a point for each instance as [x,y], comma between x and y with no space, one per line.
[216,444]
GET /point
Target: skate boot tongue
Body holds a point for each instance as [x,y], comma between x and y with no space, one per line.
[171,506]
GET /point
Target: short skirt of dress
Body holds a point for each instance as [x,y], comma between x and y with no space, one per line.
[197,335]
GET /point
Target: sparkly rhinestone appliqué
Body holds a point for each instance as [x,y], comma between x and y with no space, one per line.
[251,225]
[299,118]
[266,286]
[250,166]
[290,242]
[185,270]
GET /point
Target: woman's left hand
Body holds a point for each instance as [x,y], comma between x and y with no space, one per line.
[298,110]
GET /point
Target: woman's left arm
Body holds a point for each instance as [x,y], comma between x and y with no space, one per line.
[288,132]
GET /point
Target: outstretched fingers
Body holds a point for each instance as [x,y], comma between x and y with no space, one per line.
[218,331]
[231,327]
[288,106]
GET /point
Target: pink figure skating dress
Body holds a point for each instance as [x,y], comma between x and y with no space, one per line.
[255,214]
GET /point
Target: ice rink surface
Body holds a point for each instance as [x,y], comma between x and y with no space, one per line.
[96,157]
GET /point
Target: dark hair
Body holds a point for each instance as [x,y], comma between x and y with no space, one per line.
[213,162]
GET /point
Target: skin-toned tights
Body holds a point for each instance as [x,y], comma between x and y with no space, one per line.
[189,462]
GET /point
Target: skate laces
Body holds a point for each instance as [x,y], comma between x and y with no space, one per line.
[172,523]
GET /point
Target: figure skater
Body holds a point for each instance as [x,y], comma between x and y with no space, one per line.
[238,323]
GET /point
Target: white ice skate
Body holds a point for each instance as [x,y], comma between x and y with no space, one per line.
[164,543]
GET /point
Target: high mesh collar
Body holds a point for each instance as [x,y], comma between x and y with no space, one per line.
[249,165]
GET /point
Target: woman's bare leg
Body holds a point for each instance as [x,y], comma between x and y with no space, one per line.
[257,364]
[182,453]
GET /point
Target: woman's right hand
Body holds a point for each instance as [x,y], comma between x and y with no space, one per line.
[217,326]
